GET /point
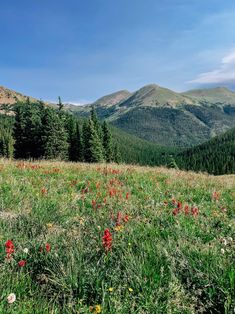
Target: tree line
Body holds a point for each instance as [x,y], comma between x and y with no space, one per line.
[38,131]
[216,156]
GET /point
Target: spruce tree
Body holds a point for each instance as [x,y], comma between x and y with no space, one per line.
[55,138]
[116,154]
[93,148]
[6,143]
[60,104]
[107,142]
[27,130]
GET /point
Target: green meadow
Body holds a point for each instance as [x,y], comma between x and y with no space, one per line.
[170,246]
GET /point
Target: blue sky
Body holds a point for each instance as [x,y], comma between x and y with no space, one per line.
[84,49]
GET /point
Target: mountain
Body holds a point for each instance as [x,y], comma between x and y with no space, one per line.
[216,156]
[168,118]
[10,97]
[213,95]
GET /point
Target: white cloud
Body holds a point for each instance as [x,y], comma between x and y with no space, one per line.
[225,73]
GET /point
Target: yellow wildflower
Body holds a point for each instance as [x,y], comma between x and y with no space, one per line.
[130,289]
[118,228]
[49,225]
[95,309]
[110,289]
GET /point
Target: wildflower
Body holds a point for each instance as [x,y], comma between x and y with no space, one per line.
[93,202]
[119,217]
[175,211]
[222,251]
[195,211]
[9,245]
[118,228]
[186,209]
[224,241]
[95,309]
[179,205]
[26,250]
[126,218]
[49,225]
[107,240]
[44,191]
[110,289]
[230,239]
[22,263]
[11,298]
[48,247]
[215,196]
[130,289]
[127,195]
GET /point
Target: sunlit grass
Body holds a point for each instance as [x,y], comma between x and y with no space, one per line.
[164,258]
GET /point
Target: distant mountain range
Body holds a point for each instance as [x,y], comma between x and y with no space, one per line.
[165,117]
[160,115]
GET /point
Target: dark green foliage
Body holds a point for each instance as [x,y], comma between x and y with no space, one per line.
[94,148]
[107,143]
[60,105]
[6,143]
[28,130]
[55,138]
[75,150]
[134,150]
[216,156]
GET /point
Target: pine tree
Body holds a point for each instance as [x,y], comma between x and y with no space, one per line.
[27,130]
[60,104]
[55,137]
[93,149]
[6,143]
[97,124]
[116,154]
[107,142]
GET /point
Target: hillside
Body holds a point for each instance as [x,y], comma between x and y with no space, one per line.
[79,238]
[168,118]
[10,97]
[213,95]
[135,150]
[216,156]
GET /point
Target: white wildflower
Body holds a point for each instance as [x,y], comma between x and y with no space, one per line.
[11,298]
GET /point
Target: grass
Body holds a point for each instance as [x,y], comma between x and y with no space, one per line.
[164,259]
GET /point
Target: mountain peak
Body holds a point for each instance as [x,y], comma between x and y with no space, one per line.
[112,99]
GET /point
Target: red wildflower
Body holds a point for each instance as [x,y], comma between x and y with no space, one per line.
[195,211]
[9,245]
[127,195]
[107,240]
[48,247]
[215,196]
[93,203]
[186,209]
[179,205]
[119,218]
[22,263]
[44,190]
[126,218]
[175,211]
